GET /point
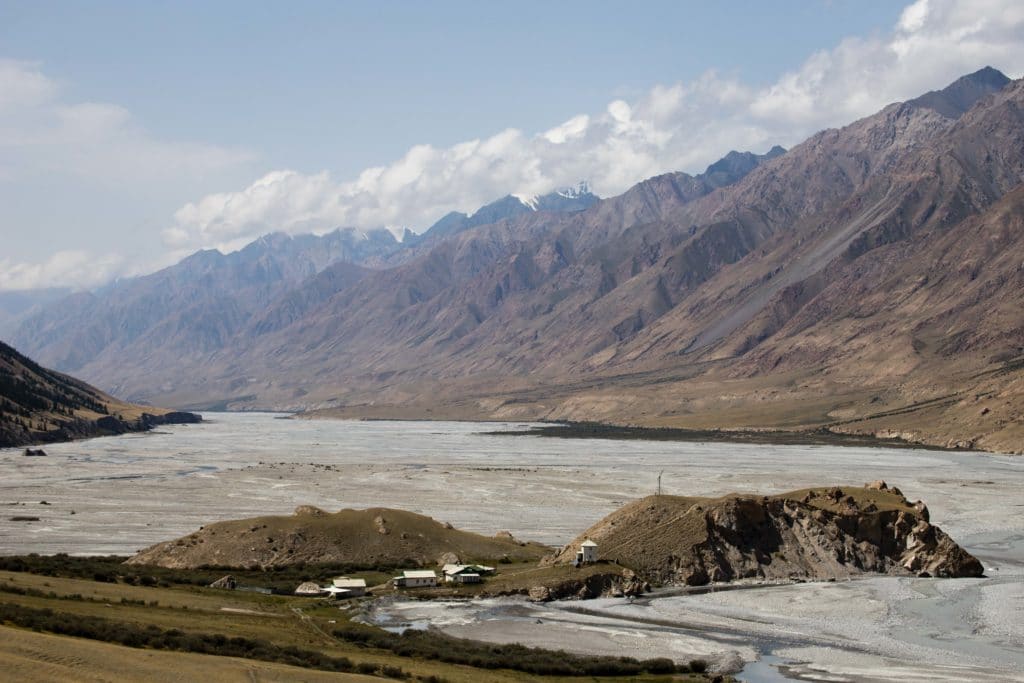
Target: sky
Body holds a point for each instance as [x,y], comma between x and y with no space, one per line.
[132,134]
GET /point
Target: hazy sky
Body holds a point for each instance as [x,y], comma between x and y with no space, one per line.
[132,133]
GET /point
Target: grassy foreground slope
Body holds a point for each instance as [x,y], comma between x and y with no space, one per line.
[32,657]
[166,625]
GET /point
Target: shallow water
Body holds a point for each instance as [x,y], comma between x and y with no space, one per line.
[131,491]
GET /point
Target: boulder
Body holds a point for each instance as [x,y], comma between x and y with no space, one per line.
[225,583]
[447,558]
[540,594]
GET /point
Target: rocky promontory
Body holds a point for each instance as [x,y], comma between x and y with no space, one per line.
[821,533]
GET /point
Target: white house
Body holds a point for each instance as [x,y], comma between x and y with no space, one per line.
[356,587]
[587,553]
[416,578]
[465,573]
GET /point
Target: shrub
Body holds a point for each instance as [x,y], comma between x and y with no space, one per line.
[431,645]
[698,666]
[151,636]
[660,665]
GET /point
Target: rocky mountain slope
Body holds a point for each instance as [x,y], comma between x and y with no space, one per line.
[41,406]
[190,308]
[16,306]
[567,200]
[211,301]
[867,280]
[434,296]
[811,534]
[377,536]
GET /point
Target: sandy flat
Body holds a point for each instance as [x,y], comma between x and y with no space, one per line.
[131,491]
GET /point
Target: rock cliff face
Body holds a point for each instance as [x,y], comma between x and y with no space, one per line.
[614,582]
[808,534]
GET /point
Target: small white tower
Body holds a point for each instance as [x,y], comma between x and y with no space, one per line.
[587,553]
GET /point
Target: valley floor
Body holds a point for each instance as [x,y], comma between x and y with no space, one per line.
[241,465]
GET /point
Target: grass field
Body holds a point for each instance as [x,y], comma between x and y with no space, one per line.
[286,624]
[31,657]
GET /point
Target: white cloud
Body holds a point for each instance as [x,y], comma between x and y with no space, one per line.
[570,130]
[65,268]
[682,126]
[94,156]
[40,134]
[21,84]
[913,17]
[677,126]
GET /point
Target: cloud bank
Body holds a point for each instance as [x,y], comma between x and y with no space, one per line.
[681,126]
[76,268]
[93,148]
[40,133]
[673,127]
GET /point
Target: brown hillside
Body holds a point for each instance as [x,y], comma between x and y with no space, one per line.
[813,533]
[38,405]
[377,536]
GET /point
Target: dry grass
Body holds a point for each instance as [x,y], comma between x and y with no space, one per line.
[373,537]
[862,496]
[283,621]
[43,658]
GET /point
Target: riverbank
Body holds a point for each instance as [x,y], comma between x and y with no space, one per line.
[810,437]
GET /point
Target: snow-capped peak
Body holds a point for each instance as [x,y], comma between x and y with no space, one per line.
[529,201]
[576,191]
[534,202]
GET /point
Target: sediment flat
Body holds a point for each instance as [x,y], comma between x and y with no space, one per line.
[130,491]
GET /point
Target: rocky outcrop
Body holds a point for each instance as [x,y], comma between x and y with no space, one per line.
[613,582]
[115,424]
[810,534]
[447,558]
[225,583]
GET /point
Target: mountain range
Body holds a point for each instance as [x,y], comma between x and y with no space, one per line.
[869,280]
